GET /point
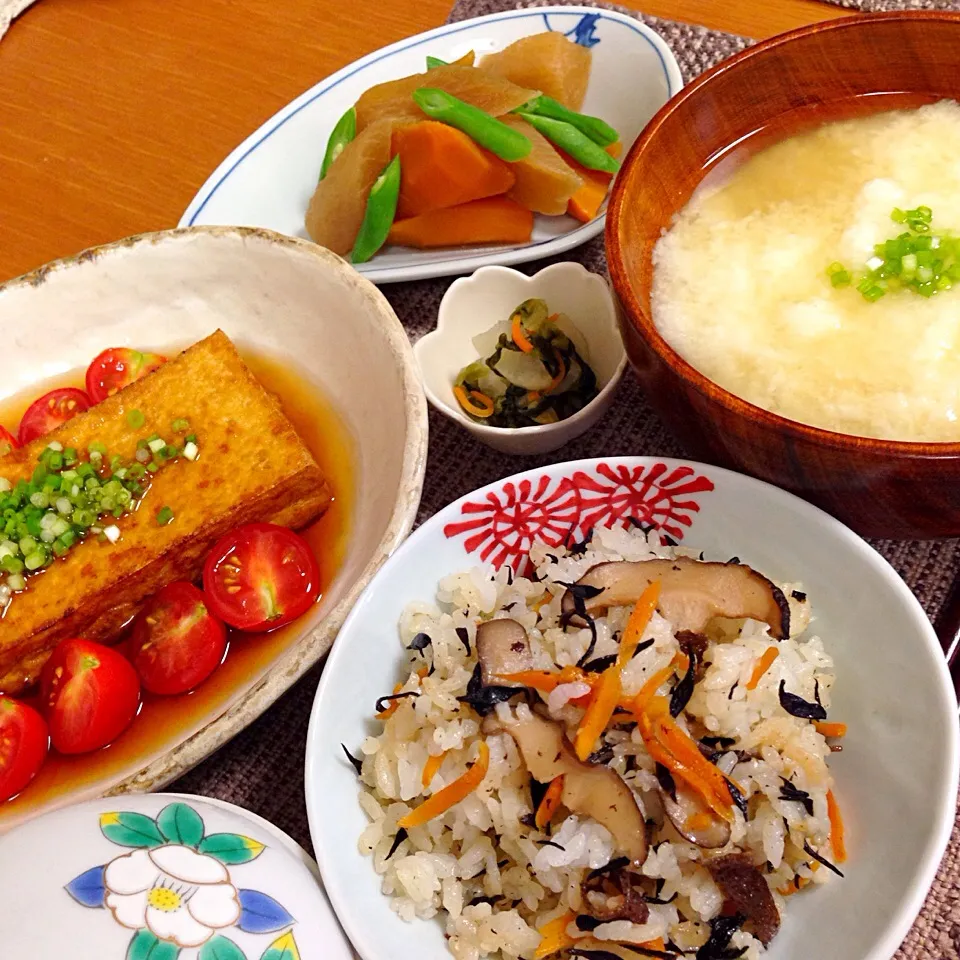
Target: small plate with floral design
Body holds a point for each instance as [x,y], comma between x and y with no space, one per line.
[162,877]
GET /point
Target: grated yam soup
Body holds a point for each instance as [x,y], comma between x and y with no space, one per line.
[741,287]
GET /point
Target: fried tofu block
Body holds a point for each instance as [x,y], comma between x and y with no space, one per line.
[252,467]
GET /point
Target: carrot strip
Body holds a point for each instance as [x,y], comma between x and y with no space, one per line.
[547,681]
[657,944]
[477,404]
[555,935]
[430,768]
[836,828]
[830,729]
[639,619]
[549,803]
[519,337]
[451,794]
[653,684]
[598,713]
[561,372]
[763,665]
[669,745]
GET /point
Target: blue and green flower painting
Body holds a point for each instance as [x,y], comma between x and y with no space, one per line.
[175,889]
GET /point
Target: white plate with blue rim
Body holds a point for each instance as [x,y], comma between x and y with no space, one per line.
[269,179]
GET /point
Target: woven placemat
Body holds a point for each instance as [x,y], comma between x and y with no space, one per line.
[262,769]
[879,6]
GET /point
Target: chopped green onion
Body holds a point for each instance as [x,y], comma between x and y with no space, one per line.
[135,419]
[917,260]
[66,500]
[180,425]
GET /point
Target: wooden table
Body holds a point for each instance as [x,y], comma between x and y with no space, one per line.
[113,114]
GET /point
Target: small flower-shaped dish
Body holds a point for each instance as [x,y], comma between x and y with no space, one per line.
[162,877]
[476,303]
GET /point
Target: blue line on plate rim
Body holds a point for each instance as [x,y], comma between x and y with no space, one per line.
[455,28]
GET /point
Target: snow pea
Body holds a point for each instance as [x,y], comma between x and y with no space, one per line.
[573,141]
[508,144]
[378,217]
[344,131]
[596,129]
[436,62]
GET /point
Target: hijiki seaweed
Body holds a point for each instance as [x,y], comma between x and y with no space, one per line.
[357,764]
[484,698]
[798,707]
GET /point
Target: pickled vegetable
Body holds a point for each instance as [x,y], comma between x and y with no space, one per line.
[534,370]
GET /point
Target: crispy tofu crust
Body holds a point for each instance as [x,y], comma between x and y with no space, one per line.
[252,467]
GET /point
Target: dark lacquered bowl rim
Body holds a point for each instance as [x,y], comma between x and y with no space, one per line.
[643,323]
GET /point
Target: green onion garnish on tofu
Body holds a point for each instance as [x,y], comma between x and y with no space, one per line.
[72,495]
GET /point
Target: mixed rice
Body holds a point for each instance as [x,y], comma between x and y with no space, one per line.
[523,868]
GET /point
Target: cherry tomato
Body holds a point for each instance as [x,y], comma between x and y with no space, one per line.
[90,694]
[261,576]
[52,409]
[8,441]
[176,643]
[117,368]
[23,746]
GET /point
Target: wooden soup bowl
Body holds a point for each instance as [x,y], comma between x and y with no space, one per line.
[846,67]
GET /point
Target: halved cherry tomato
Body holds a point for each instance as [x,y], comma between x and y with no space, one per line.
[261,576]
[176,643]
[52,409]
[117,368]
[24,742]
[8,441]
[90,694]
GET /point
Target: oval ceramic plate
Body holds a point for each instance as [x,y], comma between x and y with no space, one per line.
[167,290]
[896,777]
[268,180]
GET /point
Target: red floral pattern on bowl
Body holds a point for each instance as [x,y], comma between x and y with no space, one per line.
[563,510]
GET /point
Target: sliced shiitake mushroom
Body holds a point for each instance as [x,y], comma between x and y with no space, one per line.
[692,592]
[746,891]
[692,818]
[502,648]
[588,789]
